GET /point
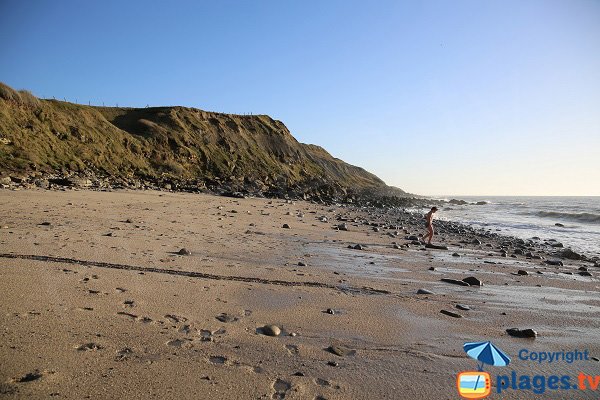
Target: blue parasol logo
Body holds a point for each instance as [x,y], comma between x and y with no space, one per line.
[486,353]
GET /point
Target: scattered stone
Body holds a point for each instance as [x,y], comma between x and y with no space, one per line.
[463,307]
[455,255]
[455,282]
[285,226]
[436,247]
[330,311]
[46,223]
[432,268]
[332,363]
[301,264]
[184,252]
[522,272]
[471,280]
[571,255]
[522,333]
[596,359]
[357,247]
[424,291]
[585,273]
[271,330]
[343,227]
[451,314]
[476,242]
[555,263]
[559,225]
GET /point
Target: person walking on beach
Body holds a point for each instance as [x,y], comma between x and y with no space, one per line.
[429,224]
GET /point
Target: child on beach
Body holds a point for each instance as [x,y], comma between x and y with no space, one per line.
[429,224]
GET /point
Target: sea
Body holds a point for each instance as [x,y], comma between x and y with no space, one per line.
[573,221]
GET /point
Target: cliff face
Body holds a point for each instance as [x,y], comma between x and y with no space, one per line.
[176,144]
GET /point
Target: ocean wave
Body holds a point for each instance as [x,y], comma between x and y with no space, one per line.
[579,217]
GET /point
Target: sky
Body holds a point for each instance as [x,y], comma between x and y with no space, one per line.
[462,97]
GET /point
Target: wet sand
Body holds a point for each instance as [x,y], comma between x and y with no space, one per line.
[97,303]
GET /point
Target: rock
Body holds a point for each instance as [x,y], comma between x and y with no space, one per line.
[455,282]
[424,291]
[42,183]
[413,238]
[46,223]
[357,247]
[432,268]
[5,180]
[455,255]
[184,252]
[323,219]
[451,314]
[519,252]
[557,244]
[481,203]
[301,264]
[437,247]
[522,272]
[343,227]
[476,242]
[463,307]
[585,273]
[471,280]
[555,263]
[571,255]
[596,359]
[285,226]
[522,333]
[271,330]
[583,269]
[330,311]
[559,225]
[332,363]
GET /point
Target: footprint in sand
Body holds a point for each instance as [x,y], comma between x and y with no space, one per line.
[292,349]
[175,318]
[281,387]
[88,347]
[123,354]
[144,320]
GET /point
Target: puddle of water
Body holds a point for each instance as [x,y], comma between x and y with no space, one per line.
[539,298]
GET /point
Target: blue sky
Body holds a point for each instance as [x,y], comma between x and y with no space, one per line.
[435,97]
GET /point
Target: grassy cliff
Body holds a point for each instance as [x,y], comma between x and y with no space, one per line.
[176,144]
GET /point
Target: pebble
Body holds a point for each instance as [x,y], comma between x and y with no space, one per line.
[424,291]
[522,272]
[455,282]
[358,247]
[301,264]
[184,252]
[451,314]
[285,226]
[522,333]
[471,280]
[330,311]
[332,363]
[463,307]
[342,227]
[271,330]
[455,255]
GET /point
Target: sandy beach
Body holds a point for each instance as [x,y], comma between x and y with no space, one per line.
[98,303]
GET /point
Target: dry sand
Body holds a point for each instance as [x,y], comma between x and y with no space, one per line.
[98,304]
